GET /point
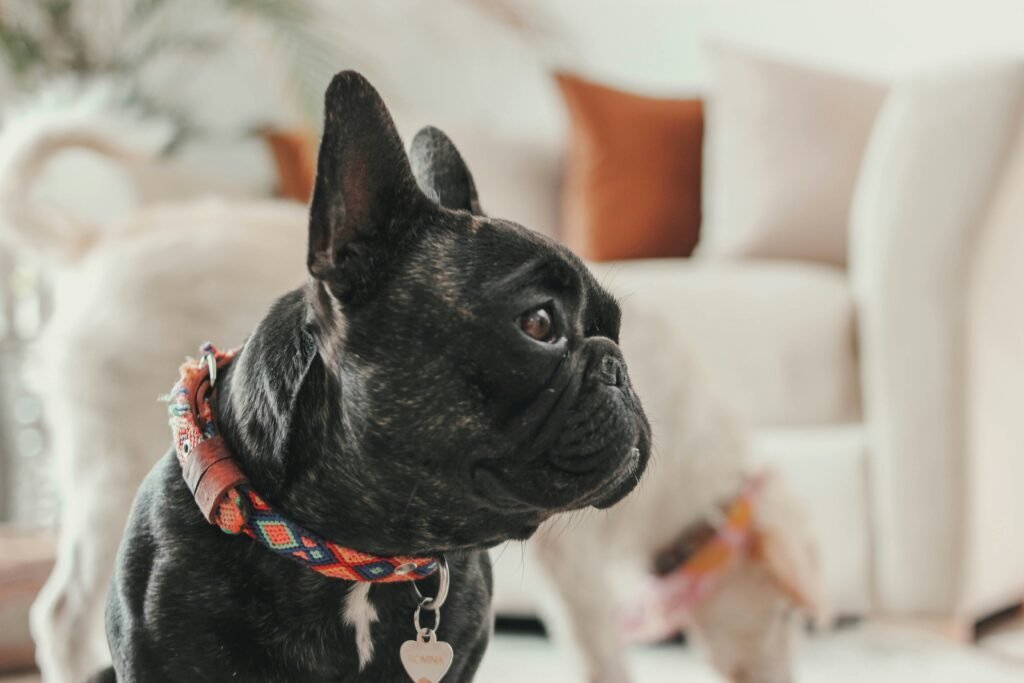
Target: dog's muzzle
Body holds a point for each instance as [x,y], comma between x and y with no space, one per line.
[604,425]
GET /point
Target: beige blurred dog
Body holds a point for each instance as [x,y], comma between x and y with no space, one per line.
[597,562]
[119,324]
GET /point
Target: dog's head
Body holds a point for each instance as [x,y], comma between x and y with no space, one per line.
[480,381]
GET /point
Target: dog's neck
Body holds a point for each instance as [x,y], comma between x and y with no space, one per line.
[256,396]
[280,411]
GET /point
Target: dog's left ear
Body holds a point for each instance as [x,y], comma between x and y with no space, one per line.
[365,200]
[441,172]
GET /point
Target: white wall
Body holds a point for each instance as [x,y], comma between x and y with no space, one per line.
[439,60]
[443,62]
[880,37]
[656,43]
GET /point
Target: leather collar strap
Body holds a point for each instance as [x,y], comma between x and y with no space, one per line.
[227,500]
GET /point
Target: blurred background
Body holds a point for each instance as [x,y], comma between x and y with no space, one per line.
[821,197]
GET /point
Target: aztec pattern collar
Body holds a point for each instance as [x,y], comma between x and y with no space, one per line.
[226,499]
[688,571]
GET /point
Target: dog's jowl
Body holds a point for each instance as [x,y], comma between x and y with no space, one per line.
[443,382]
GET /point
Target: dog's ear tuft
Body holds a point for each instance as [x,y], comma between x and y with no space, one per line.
[364,192]
[441,172]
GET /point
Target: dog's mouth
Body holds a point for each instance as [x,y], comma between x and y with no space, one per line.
[636,460]
[556,489]
[589,445]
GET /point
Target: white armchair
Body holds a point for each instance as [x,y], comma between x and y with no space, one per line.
[937,245]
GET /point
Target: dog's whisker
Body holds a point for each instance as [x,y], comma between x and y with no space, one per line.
[412,497]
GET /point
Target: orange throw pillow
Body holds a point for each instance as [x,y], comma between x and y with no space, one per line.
[294,153]
[633,173]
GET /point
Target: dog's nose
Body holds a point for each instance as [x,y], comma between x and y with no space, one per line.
[612,371]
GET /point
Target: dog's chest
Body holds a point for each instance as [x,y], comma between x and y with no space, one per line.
[360,614]
[354,637]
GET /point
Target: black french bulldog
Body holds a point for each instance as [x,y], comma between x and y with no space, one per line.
[443,383]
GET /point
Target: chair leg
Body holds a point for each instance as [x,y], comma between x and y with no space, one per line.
[955,628]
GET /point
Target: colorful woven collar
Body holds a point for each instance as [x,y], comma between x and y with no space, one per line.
[689,570]
[226,499]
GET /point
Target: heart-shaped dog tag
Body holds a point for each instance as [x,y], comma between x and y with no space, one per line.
[426,661]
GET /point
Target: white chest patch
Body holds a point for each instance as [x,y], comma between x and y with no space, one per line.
[360,614]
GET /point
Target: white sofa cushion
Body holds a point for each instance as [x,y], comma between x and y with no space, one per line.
[776,337]
[825,468]
[782,149]
[518,178]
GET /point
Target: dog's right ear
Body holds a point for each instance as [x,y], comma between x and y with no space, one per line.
[365,198]
[441,172]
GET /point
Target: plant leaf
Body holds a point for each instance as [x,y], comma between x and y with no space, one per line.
[22,50]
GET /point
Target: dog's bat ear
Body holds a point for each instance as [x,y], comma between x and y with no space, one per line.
[364,191]
[441,172]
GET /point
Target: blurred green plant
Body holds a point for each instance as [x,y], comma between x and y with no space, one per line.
[42,40]
[127,41]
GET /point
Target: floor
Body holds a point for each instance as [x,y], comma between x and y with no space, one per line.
[1005,638]
[849,655]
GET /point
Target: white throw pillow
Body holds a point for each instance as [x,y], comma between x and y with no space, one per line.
[517,178]
[782,150]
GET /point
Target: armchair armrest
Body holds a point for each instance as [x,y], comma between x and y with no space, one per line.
[932,286]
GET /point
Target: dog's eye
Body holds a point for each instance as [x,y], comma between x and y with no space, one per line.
[537,324]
